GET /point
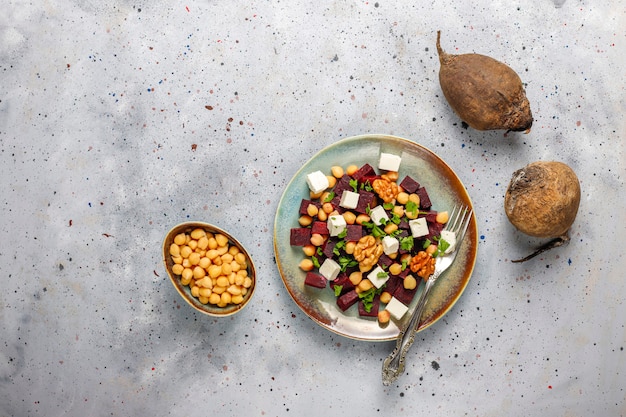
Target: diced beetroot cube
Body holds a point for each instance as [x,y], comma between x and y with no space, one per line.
[363,172]
[434,229]
[366,200]
[392,284]
[320,228]
[431,216]
[373,311]
[404,295]
[404,273]
[424,199]
[354,232]
[313,279]
[347,300]
[342,280]
[329,246]
[305,203]
[409,184]
[384,261]
[342,185]
[300,236]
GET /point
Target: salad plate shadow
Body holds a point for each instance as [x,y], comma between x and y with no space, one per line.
[445,190]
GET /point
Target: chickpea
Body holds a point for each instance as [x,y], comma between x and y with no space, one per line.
[385,297]
[193,244]
[431,249]
[315,196]
[180,239]
[312,210]
[414,198]
[305,220]
[215,271]
[332,181]
[309,250]
[356,277]
[350,247]
[364,285]
[322,216]
[177,269]
[194,258]
[203,243]
[317,239]
[328,208]
[410,283]
[349,217]
[185,251]
[306,265]
[442,217]
[362,218]
[384,317]
[221,240]
[195,291]
[212,243]
[214,298]
[395,269]
[352,169]
[197,233]
[390,228]
[174,249]
[205,292]
[236,299]
[204,262]
[337,171]
[198,272]
[398,211]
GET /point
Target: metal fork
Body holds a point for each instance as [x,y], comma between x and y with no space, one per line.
[393,366]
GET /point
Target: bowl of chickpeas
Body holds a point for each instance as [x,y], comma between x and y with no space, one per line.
[209,268]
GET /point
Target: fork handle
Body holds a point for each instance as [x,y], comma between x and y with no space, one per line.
[393,365]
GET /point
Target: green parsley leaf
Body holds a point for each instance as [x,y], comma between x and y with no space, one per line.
[395,219]
[387,206]
[331,195]
[406,243]
[411,207]
[426,244]
[354,184]
[382,274]
[346,262]
[442,246]
[316,262]
[367,186]
[343,233]
[338,289]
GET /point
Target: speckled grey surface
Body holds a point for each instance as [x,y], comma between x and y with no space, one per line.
[120,119]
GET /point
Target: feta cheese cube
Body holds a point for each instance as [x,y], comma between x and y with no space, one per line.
[349,199]
[396,308]
[449,237]
[419,227]
[379,215]
[317,182]
[389,162]
[378,277]
[330,269]
[336,224]
[390,245]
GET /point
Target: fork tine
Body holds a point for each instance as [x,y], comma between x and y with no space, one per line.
[467,215]
[453,218]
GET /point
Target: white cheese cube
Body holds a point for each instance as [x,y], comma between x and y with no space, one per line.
[336,224]
[389,162]
[378,277]
[390,245]
[379,215]
[449,237]
[330,269]
[396,308]
[317,182]
[419,227]
[349,199]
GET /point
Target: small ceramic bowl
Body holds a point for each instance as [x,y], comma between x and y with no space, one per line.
[184,290]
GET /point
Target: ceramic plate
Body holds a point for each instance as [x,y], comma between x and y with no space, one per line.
[445,190]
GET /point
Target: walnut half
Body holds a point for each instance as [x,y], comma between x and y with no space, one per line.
[423,264]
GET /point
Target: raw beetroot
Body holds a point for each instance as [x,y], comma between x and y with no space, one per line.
[486,94]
